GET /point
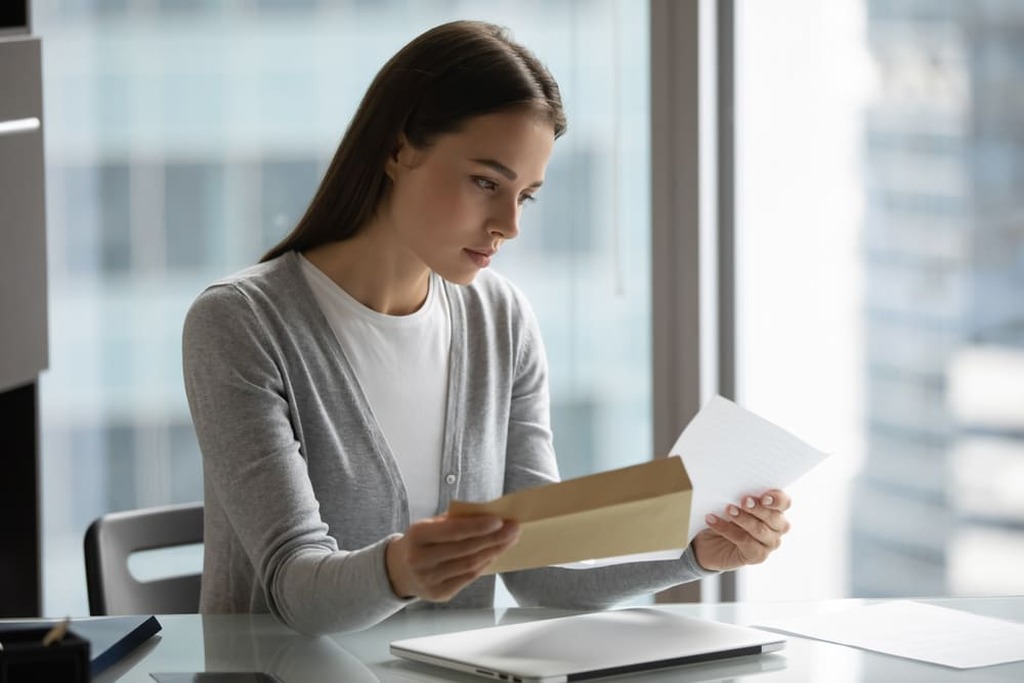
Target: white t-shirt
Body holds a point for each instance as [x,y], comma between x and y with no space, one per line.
[401,363]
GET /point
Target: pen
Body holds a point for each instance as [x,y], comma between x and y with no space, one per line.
[56,634]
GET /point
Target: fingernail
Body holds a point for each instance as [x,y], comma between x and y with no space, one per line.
[733,510]
[711,519]
[768,500]
[749,502]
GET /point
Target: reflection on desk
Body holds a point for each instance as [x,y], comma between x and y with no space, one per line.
[259,643]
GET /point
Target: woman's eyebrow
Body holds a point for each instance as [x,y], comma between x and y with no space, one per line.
[504,170]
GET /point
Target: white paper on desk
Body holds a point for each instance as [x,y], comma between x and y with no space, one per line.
[729,452]
[916,630]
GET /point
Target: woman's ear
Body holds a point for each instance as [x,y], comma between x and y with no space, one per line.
[403,157]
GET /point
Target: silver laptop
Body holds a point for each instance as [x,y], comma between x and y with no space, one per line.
[587,645]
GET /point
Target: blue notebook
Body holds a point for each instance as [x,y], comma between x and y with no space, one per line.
[111,639]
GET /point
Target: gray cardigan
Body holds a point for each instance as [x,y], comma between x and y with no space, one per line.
[301,492]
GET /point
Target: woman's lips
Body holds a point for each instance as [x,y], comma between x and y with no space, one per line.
[481,259]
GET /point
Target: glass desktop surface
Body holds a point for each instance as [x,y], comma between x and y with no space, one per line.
[192,643]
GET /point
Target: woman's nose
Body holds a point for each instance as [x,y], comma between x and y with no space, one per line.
[505,222]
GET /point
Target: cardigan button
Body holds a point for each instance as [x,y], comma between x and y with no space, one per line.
[450,479]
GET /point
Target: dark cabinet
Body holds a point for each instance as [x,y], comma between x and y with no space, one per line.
[23,346]
[23,327]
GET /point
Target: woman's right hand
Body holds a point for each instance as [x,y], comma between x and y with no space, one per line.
[437,557]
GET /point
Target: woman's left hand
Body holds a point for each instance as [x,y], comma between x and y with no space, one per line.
[746,534]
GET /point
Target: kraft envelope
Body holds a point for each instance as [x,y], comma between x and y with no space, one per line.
[637,509]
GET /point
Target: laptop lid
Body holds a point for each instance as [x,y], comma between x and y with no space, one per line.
[587,645]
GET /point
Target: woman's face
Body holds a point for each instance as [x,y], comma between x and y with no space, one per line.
[454,204]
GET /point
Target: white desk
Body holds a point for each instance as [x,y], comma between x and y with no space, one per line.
[259,643]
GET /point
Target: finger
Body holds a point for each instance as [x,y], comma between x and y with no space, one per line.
[451,586]
[434,554]
[473,563]
[755,527]
[446,529]
[495,542]
[773,518]
[750,549]
[441,582]
[776,499]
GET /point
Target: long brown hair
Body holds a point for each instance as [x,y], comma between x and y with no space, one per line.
[431,87]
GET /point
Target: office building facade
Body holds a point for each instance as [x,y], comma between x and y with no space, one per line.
[944,262]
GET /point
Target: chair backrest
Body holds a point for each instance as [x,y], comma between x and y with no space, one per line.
[112,538]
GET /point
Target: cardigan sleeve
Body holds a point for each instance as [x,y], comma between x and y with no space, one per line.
[530,461]
[256,475]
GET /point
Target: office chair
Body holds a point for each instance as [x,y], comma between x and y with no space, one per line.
[113,537]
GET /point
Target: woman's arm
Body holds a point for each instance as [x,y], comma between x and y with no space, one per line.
[256,471]
[746,533]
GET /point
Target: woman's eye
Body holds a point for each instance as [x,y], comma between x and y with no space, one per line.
[486,184]
[526,199]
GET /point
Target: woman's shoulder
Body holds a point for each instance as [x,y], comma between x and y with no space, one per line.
[272,286]
[268,274]
[273,279]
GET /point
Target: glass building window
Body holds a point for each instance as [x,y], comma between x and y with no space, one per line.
[72,200]
[881,137]
[566,225]
[114,196]
[193,214]
[286,188]
[197,143]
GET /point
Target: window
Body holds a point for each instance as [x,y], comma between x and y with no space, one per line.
[880,137]
[114,218]
[196,146]
[565,225]
[286,188]
[194,216]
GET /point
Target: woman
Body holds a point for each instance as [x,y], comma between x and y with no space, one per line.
[370,369]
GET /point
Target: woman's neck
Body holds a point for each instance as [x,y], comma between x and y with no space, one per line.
[376,272]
